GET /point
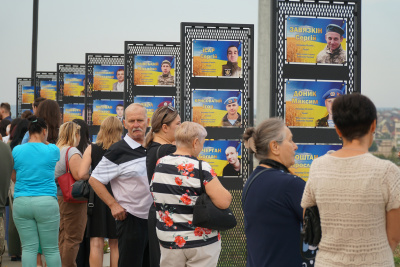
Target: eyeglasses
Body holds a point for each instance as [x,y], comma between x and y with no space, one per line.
[170,108]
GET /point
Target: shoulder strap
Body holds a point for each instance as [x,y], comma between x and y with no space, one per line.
[201,176]
[251,180]
[163,150]
[158,150]
[66,160]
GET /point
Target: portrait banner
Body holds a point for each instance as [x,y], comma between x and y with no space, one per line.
[309,103]
[108,78]
[28,94]
[73,111]
[212,58]
[214,108]
[307,40]
[74,85]
[305,155]
[105,108]
[224,156]
[48,89]
[151,103]
[154,70]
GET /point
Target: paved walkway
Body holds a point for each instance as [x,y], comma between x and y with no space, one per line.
[8,263]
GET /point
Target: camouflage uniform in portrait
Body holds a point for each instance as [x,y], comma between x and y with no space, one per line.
[337,56]
[333,52]
[231,69]
[166,78]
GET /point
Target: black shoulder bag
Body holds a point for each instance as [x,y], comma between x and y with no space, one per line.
[207,215]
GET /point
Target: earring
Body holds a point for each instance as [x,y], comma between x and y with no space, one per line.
[340,138]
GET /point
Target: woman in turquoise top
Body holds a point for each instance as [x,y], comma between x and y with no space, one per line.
[36,213]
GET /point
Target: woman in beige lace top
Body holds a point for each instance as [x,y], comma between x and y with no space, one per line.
[357,194]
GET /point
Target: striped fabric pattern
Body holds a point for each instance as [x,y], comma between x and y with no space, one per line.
[175,187]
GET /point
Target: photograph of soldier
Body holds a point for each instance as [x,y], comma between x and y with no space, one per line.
[232,118]
[120,112]
[166,78]
[231,68]
[234,164]
[329,97]
[333,53]
[119,86]
[164,103]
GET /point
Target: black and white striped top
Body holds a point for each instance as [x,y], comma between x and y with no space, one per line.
[124,167]
[175,187]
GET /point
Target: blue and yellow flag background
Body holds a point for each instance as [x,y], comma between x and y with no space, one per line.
[304,104]
[105,76]
[306,37]
[48,89]
[28,94]
[214,153]
[74,84]
[73,111]
[209,108]
[210,55]
[103,109]
[148,68]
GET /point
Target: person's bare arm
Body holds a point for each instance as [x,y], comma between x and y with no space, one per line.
[117,211]
[218,194]
[393,227]
[74,164]
[83,172]
[13,176]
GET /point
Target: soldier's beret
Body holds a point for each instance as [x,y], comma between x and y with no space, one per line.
[231,100]
[333,93]
[334,28]
[164,103]
[166,62]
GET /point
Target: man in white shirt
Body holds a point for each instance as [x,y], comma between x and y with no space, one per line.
[124,166]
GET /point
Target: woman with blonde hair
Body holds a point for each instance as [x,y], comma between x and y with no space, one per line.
[72,215]
[101,223]
[159,143]
[175,186]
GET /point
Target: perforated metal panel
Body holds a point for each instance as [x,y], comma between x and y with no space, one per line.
[234,241]
[21,82]
[282,70]
[151,48]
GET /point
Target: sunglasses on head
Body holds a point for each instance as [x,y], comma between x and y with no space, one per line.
[170,108]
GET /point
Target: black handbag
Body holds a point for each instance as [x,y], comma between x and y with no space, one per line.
[311,232]
[80,190]
[207,215]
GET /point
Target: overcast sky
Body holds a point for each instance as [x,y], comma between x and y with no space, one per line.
[69,29]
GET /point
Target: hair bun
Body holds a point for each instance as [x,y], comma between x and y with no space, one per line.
[32,118]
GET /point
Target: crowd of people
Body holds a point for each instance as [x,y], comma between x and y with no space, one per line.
[144,187]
